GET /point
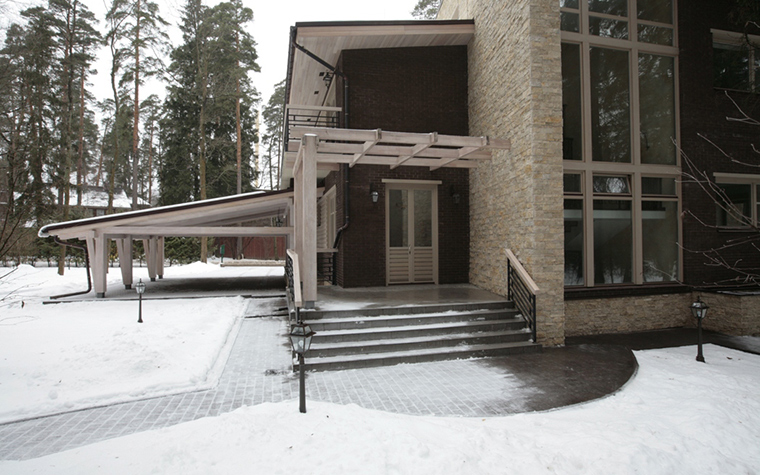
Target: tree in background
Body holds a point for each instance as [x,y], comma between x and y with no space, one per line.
[137,33]
[426,9]
[202,131]
[273,114]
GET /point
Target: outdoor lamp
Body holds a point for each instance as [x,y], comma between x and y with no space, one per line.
[140,288]
[300,338]
[699,310]
[375,196]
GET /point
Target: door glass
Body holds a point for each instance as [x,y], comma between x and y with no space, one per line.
[423,218]
[398,216]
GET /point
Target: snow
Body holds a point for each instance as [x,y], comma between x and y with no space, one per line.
[675,416]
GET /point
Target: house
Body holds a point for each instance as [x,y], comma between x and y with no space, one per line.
[600,103]
[583,143]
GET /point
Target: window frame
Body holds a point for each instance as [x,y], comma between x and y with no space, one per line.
[635,169]
[753,181]
[733,38]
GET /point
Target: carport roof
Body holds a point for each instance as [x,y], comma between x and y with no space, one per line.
[213,217]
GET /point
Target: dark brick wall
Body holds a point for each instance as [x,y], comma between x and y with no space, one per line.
[703,111]
[406,90]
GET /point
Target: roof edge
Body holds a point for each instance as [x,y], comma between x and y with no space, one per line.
[47,229]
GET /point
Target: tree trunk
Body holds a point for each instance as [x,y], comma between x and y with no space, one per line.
[136,123]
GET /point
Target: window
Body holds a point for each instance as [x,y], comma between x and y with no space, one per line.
[737,203]
[736,61]
[620,102]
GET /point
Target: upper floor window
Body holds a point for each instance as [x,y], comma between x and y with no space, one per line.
[737,203]
[736,61]
[647,21]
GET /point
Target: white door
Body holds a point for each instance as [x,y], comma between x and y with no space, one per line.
[411,234]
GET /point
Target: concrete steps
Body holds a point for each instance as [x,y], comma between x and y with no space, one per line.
[387,336]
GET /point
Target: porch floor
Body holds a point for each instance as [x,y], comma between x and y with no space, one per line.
[338,298]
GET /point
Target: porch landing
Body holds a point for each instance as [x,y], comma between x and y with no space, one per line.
[333,298]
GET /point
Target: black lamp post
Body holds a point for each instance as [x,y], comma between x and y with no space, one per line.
[300,338]
[140,288]
[699,310]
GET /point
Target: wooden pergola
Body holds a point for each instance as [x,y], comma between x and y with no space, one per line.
[220,217]
[314,148]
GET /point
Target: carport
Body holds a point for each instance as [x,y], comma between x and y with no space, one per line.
[220,217]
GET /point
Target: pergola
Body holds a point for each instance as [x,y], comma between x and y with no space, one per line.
[220,217]
[316,148]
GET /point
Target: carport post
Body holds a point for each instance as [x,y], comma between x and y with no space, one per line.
[124,248]
[98,250]
[160,257]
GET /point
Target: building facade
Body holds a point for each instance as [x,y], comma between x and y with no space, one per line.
[625,189]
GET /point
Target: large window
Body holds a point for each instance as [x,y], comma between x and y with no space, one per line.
[736,61]
[619,79]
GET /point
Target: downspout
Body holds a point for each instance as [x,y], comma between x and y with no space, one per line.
[86,266]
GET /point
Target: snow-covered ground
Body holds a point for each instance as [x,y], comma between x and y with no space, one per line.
[675,416]
[73,355]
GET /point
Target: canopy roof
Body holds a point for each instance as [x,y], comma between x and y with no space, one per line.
[326,40]
[213,217]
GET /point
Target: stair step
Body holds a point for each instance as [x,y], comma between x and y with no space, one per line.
[410,331]
[362,321]
[323,349]
[429,308]
[416,356]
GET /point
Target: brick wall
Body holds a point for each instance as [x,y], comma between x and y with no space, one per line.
[515,92]
[407,90]
[703,111]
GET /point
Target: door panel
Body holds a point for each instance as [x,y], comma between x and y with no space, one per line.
[412,235]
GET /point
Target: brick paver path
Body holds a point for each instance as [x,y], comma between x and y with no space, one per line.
[258,370]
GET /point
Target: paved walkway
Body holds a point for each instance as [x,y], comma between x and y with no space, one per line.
[259,370]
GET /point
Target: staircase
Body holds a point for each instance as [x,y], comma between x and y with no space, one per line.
[388,336]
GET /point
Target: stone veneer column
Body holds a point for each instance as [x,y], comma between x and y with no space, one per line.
[515,92]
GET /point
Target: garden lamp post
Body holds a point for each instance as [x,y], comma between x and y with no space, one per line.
[300,338]
[699,310]
[140,288]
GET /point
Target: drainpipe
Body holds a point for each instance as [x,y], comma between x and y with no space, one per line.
[86,265]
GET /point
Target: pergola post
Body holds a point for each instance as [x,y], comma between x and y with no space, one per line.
[309,220]
[98,250]
[124,248]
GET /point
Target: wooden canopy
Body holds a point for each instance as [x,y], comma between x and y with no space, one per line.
[326,148]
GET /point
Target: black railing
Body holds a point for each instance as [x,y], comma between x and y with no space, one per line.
[293,280]
[310,116]
[521,292]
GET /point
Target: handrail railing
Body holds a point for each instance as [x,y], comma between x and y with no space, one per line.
[293,274]
[522,290]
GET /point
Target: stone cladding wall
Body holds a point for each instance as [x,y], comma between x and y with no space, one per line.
[732,314]
[627,314]
[515,92]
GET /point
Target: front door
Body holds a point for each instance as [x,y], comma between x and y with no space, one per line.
[411,233]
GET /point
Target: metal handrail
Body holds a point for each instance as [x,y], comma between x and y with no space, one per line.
[522,290]
[293,274]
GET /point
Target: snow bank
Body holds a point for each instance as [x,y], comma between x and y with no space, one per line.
[676,416]
[69,356]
